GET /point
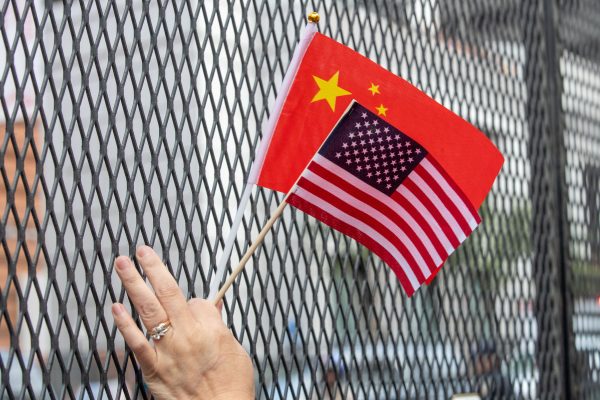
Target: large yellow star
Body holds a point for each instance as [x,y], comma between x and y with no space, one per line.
[381,110]
[329,90]
[374,89]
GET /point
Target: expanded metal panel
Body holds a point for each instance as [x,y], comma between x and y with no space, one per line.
[136,122]
[580,69]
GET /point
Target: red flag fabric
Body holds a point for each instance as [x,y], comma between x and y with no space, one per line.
[377,185]
[328,78]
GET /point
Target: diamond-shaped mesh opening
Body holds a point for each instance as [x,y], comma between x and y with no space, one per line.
[123,124]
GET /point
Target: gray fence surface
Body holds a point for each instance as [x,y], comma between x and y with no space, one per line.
[129,122]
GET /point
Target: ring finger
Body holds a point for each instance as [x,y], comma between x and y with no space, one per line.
[144,300]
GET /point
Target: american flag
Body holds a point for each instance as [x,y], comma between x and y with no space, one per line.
[375,184]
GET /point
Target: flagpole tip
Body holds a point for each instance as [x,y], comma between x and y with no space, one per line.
[314,17]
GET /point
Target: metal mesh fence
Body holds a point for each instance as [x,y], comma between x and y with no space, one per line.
[135,122]
[579,65]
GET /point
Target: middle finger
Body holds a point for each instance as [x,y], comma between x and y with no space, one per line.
[145,302]
[165,287]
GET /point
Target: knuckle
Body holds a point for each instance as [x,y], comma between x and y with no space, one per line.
[152,261]
[138,346]
[168,291]
[130,279]
[150,373]
[196,302]
[123,324]
[150,310]
[202,305]
[222,334]
[120,326]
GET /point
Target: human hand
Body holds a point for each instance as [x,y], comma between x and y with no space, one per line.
[198,357]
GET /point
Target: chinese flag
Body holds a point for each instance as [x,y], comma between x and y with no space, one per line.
[330,76]
[412,222]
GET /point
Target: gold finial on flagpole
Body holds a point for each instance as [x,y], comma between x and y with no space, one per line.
[314,17]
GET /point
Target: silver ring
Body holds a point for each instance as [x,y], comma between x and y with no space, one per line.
[160,330]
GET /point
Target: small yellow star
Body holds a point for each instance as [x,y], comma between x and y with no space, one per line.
[329,90]
[381,110]
[374,89]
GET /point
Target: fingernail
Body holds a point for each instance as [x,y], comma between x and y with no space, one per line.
[143,251]
[117,309]
[122,263]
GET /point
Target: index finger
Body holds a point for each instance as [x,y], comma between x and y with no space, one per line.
[165,287]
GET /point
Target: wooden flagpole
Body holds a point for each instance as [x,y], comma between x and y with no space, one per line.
[313,18]
[250,251]
[306,36]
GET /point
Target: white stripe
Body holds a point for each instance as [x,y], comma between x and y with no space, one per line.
[439,204]
[449,190]
[366,229]
[428,217]
[347,198]
[400,211]
[473,222]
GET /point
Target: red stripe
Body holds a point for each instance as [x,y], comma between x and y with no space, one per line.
[433,275]
[379,206]
[340,204]
[441,193]
[456,188]
[354,233]
[398,198]
[429,205]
